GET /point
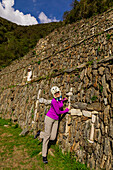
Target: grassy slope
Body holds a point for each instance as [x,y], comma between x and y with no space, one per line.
[18,152]
[16,41]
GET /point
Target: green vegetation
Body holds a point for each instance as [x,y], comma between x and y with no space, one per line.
[90,63]
[16,41]
[108,36]
[61,39]
[32,111]
[94,98]
[22,152]
[101,88]
[98,49]
[85,9]
[47,77]
[39,62]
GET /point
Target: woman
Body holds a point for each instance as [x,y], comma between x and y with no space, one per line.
[51,120]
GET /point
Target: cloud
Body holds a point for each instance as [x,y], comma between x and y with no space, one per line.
[44,19]
[7,11]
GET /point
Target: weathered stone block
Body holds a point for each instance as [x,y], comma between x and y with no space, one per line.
[94,64]
[86,113]
[105,101]
[76,112]
[93,118]
[98,136]
[44,101]
[102,165]
[97,123]
[94,112]
[83,118]
[111,128]
[80,86]
[24,132]
[104,86]
[107,148]
[95,72]
[82,74]
[95,106]
[108,75]
[92,162]
[76,146]
[106,114]
[101,70]
[111,113]
[80,105]
[112,85]
[86,81]
[89,107]
[77,135]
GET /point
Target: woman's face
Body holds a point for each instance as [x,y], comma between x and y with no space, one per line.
[57,94]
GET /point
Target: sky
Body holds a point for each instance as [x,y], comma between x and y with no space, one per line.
[31,12]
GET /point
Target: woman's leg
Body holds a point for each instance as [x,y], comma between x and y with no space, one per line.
[46,135]
[54,130]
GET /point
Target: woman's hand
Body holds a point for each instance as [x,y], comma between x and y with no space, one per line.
[65,99]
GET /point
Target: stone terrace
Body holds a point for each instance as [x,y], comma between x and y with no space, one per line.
[77,56]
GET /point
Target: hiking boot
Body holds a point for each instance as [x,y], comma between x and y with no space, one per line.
[45,160]
[38,133]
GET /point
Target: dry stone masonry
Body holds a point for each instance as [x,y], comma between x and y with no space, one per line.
[79,59]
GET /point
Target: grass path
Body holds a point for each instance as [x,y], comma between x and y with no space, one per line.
[17,152]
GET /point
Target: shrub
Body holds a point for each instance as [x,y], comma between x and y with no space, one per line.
[85,9]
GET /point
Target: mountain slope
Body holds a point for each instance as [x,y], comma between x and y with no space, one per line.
[16,41]
[86,9]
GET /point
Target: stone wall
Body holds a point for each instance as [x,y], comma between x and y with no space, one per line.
[77,56]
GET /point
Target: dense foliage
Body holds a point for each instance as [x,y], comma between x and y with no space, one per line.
[85,9]
[16,41]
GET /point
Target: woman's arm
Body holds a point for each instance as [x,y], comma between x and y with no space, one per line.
[65,99]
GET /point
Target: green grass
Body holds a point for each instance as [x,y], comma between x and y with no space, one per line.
[22,152]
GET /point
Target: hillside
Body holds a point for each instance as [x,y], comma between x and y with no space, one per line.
[77,57]
[86,9]
[16,41]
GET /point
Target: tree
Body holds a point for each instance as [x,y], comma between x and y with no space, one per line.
[86,9]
